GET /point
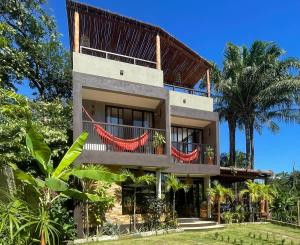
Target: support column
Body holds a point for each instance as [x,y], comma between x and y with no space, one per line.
[158,183]
[76,33]
[158,55]
[208,82]
[207,184]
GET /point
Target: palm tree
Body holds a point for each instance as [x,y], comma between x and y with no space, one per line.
[173,183]
[147,179]
[267,194]
[225,82]
[260,87]
[254,193]
[219,194]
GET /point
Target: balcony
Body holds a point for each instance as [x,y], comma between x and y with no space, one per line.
[186,90]
[202,150]
[121,138]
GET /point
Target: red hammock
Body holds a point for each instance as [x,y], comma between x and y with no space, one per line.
[122,144]
[185,157]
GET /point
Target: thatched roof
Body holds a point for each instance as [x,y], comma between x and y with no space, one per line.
[118,34]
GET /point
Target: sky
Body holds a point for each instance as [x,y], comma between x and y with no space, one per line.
[206,26]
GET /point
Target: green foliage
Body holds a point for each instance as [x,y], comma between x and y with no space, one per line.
[110,229]
[153,209]
[173,183]
[209,152]
[227,217]
[17,113]
[30,49]
[64,218]
[287,192]
[240,160]
[257,87]
[158,140]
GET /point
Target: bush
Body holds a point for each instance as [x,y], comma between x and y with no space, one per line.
[153,210]
[227,217]
[110,229]
[63,217]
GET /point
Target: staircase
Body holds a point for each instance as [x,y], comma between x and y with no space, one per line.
[190,224]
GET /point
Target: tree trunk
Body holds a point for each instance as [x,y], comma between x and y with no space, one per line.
[252,144]
[43,242]
[87,219]
[267,209]
[173,205]
[248,144]
[232,128]
[251,210]
[219,211]
[134,210]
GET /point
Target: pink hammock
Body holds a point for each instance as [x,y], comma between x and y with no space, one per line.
[185,157]
[122,144]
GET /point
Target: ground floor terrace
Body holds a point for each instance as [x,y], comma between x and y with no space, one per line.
[191,202]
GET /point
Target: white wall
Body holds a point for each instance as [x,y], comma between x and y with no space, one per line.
[110,68]
[191,101]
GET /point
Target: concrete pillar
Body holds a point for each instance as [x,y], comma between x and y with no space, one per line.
[207,184]
[76,32]
[158,54]
[158,183]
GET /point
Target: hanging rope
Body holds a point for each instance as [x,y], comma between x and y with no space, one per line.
[122,144]
[185,157]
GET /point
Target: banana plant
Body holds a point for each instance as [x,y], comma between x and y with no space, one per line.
[53,183]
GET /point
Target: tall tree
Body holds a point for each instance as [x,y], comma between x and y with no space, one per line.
[30,49]
[261,87]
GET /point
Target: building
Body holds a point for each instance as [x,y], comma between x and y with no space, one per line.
[132,84]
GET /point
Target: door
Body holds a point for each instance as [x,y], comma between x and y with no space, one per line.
[187,204]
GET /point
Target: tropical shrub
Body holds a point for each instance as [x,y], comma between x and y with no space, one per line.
[227,217]
[153,211]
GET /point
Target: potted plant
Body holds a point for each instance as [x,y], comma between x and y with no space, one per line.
[210,155]
[203,209]
[158,142]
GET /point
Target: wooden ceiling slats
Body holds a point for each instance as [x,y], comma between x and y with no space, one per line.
[117,34]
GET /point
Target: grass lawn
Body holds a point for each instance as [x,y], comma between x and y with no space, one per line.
[255,234]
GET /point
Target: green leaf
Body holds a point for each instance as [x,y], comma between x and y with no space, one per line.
[71,155]
[38,149]
[95,174]
[25,177]
[73,193]
[56,184]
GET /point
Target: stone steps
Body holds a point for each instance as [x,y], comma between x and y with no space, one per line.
[197,224]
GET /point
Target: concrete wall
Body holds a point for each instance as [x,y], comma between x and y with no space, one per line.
[191,101]
[97,66]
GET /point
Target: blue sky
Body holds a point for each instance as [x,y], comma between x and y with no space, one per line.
[206,26]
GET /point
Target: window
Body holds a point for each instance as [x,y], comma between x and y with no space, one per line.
[184,139]
[127,116]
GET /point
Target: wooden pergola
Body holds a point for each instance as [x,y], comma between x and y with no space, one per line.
[103,30]
[231,175]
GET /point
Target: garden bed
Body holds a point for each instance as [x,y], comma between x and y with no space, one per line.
[116,237]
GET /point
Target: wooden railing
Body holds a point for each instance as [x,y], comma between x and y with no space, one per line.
[99,143]
[190,147]
[185,90]
[117,57]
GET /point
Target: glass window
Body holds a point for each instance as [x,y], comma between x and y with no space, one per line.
[137,118]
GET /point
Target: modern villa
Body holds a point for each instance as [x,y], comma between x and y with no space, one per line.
[144,98]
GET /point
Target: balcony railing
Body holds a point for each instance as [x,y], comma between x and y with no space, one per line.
[202,148]
[96,142]
[117,57]
[185,90]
